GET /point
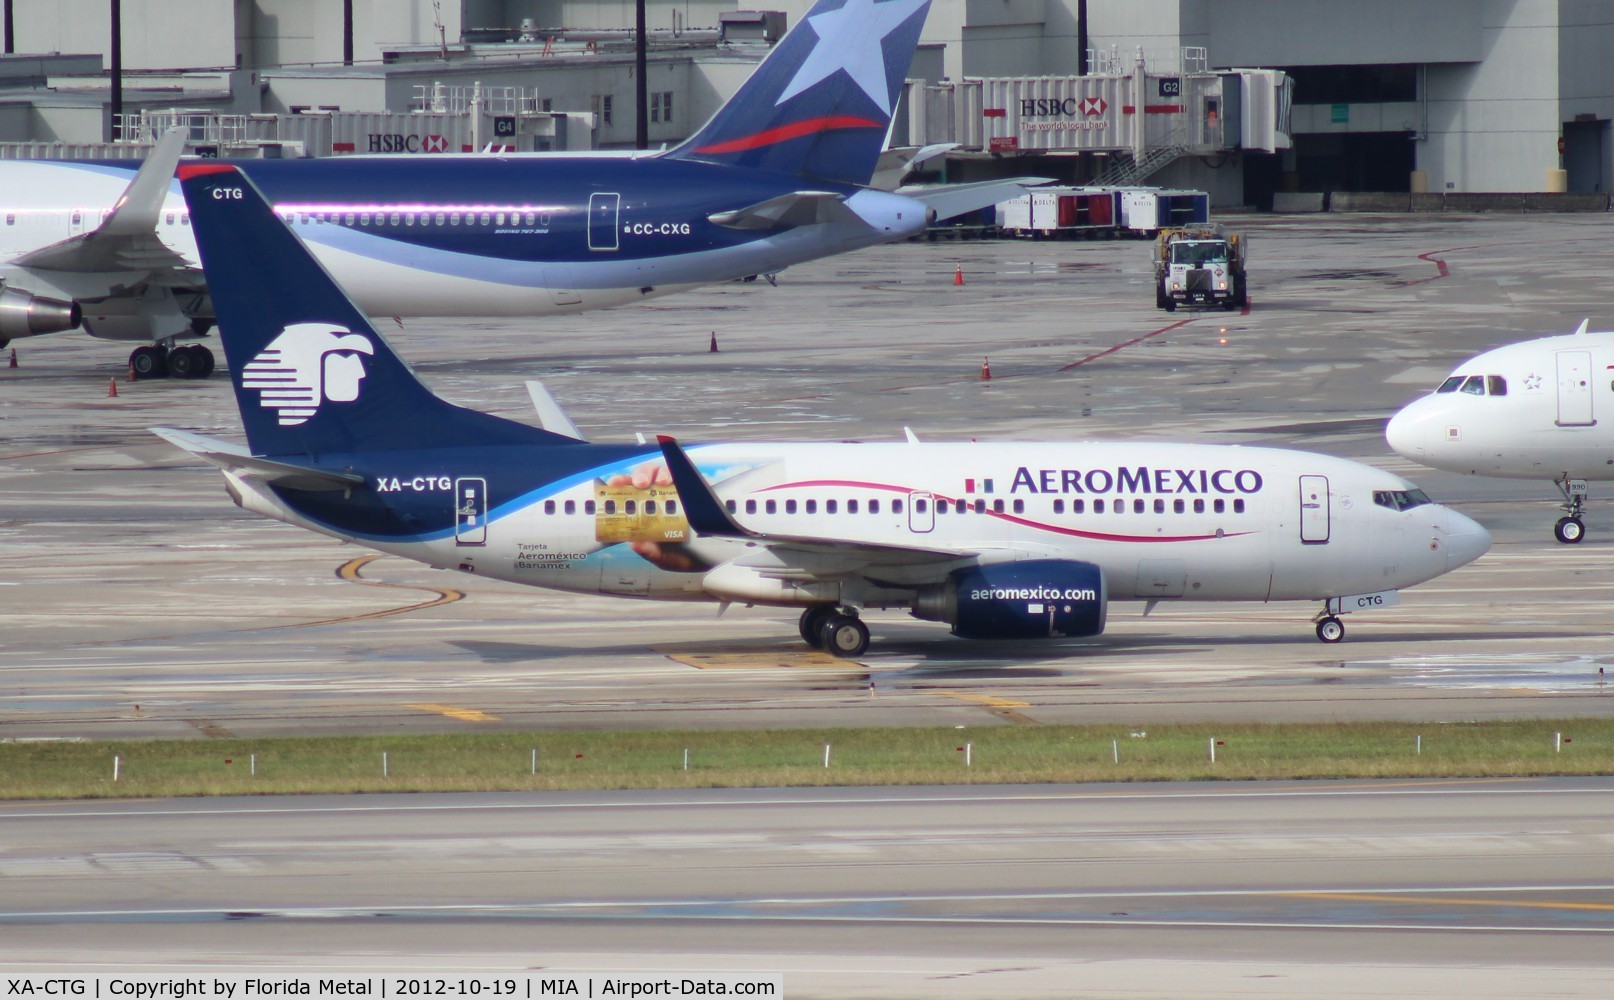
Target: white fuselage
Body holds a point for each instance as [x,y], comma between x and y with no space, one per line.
[1541,409]
[1163,521]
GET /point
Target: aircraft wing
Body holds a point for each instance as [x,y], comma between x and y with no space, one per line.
[948,200]
[794,556]
[787,211]
[127,240]
[235,458]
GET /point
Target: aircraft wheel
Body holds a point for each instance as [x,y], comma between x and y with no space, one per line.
[845,636]
[812,624]
[1569,530]
[183,363]
[205,357]
[1330,629]
[1170,305]
[148,362]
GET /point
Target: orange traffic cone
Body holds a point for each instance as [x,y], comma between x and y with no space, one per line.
[13,357]
[713,348]
[986,369]
[958,274]
[111,388]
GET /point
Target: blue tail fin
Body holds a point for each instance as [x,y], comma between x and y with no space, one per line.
[312,376]
[820,103]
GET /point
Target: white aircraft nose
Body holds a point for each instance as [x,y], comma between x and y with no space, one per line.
[1412,433]
[1466,539]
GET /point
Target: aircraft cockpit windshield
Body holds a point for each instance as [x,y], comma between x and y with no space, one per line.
[1476,385]
[1401,499]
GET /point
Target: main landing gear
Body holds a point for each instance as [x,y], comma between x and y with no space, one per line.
[162,361]
[836,630]
[1570,528]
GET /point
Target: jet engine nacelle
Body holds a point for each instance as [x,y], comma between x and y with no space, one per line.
[23,314]
[1033,599]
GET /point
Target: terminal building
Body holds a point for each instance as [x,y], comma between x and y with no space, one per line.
[1241,98]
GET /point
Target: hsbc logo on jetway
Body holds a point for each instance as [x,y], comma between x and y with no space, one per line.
[1070,107]
[398,142]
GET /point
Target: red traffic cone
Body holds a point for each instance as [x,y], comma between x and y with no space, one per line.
[111,388]
[958,274]
[986,369]
[713,348]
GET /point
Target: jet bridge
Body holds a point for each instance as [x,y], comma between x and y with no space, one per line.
[1141,113]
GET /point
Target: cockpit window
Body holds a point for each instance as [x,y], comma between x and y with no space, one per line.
[1451,384]
[1401,499]
[1474,385]
[1496,385]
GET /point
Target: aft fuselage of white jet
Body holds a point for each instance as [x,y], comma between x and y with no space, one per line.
[1162,521]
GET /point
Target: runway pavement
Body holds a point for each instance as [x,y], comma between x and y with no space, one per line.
[136,600]
[1326,889]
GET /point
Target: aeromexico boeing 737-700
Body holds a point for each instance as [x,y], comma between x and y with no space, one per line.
[999,540]
[778,176]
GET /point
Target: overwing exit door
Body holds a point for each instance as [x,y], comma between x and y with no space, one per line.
[1314,510]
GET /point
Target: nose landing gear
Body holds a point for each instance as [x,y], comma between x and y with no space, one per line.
[1570,529]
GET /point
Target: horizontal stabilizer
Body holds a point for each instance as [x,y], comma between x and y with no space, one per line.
[787,211]
[128,238]
[895,164]
[236,458]
[949,200]
[550,416]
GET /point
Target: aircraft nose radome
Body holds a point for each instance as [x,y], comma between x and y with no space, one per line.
[1466,539]
[1407,432]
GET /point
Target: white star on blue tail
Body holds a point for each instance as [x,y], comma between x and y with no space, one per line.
[849,39]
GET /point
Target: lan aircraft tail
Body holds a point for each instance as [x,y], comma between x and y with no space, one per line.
[819,106]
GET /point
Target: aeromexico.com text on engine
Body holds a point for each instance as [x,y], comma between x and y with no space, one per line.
[1034,594]
[1134,479]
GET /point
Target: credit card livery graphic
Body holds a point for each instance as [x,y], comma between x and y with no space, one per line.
[629,513]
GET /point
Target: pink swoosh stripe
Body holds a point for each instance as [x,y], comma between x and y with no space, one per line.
[792,131]
[1102,536]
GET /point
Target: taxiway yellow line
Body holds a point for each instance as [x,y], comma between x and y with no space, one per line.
[1364,897]
[454,712]
[349,571]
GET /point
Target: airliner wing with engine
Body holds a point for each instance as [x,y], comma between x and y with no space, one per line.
[999,540]
[1540,409]
[779,176]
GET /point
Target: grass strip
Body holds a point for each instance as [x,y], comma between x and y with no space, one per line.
[774,758]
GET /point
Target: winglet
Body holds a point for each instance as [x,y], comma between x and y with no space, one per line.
[136,212]
[1583,325]
[702,509]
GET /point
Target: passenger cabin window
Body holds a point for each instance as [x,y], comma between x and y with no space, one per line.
[672,506]
[1019,506]
[896,507]
[549,506]
[874,507]
[750,506]
[771,507]
[1401,499]
[732,507]
[851,506]
[921,505]
[1059,506]
[790,506]
[812,506]
[571,507]
[588,507]
[829,507]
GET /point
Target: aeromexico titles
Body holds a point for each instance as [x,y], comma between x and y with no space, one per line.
[999,540]
[778,176]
